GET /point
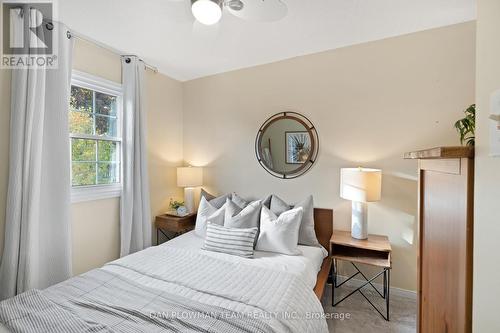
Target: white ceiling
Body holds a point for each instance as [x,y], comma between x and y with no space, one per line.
[162,31]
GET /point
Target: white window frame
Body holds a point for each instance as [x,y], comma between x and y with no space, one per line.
[95,83]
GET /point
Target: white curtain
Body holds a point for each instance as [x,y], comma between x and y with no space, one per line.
[135,215]
[37,247]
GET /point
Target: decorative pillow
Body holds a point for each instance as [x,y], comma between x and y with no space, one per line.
[267,201]
[217,202]
[233,241]
[279,234]
[239,201]
[207,212]
[236,217]
[307,234]
[218,216]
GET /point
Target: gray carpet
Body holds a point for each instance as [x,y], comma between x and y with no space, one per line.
[363,318]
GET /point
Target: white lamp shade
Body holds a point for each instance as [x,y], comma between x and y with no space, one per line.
[189,176]
[360,184]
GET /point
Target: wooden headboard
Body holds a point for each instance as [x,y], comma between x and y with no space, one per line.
[323,225]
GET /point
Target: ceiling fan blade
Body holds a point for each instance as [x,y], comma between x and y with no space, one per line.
[261,10]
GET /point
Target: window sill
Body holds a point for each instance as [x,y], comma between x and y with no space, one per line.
[91,193]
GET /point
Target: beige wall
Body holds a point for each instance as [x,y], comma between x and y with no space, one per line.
[487,181]
[370,104]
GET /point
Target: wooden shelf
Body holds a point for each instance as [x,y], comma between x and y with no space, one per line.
[376,250]
[374,242]
[367,258]
[441,152]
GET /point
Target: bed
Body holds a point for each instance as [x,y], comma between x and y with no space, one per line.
[180,288]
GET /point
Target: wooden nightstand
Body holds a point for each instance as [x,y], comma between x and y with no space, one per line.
[175,225]
[375,251]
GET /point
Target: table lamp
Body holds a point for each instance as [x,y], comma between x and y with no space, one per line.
[360,185]
[189,178]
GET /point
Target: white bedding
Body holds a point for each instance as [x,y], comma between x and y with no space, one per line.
[306,266]
[268,284]
[235,285]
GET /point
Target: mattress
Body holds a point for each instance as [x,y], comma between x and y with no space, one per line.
[306,266]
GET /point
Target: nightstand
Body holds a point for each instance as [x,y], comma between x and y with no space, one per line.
[374,251]
[176,225]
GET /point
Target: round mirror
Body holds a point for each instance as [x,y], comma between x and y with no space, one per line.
[287,145]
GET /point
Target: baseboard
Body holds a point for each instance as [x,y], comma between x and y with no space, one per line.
[394,291]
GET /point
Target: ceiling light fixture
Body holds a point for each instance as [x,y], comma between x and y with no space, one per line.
[207,12]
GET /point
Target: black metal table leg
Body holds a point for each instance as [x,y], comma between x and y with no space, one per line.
[334,280]
[388,280]
[386,285]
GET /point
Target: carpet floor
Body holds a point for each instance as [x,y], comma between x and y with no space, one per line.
[355,314]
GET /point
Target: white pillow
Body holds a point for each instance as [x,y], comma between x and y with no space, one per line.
[307,234]
[279,234]
[218,216]
[242,203]
[207,212]
[236,217]
[216,202]
[267,201]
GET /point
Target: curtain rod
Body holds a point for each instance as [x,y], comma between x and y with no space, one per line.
[78,35]
[83,37]
[109,48]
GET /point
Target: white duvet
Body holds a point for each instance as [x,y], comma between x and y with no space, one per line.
[305,266]
[277,289]
[268,284]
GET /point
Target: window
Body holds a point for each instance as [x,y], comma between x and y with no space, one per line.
[95,111]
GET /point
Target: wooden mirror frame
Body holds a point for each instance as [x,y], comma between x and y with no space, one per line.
[313,134]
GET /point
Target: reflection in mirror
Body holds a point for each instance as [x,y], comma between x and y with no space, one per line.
[287,145]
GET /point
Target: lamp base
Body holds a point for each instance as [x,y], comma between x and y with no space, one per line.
[359,220]
[189,199]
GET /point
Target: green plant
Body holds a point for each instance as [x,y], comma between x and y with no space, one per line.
[174,204]
[466,126]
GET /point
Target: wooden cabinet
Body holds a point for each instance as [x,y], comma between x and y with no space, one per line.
[446,176]
[175,225]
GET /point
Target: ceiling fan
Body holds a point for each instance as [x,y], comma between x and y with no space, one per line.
[209,12]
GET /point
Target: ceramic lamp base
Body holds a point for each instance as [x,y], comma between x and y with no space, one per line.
[359,220]
[189,199]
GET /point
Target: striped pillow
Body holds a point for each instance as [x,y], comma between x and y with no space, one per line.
[235,241]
